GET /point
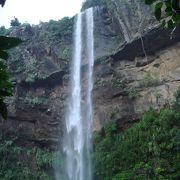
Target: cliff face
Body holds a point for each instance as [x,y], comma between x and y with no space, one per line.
[125,89]
[126,82]
[40,73]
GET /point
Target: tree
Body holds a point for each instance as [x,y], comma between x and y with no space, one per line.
[6,87]
[15,22]
[166,11]
[2,2]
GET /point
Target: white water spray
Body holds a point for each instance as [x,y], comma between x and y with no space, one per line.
[77,142]
[73,145]
[89,109]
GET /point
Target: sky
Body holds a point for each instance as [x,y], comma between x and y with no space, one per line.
[34,11]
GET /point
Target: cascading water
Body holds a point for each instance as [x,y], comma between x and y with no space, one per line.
[89,110]
[77,141]
[73,145]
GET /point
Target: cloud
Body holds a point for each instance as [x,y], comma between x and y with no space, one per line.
[38,10]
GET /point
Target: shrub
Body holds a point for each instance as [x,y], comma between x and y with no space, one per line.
[15,22]
[133,93]
[148,80]
[36,100]
[147,150]
[62,28]
[3,31]
[117,82]
[67,53]
[13,167]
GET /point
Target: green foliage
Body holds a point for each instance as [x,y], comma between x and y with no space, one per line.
[15,22]
[133,93]
[103,60]
[32,74]
[148,80]
[111,114]
[169,8]
[31,78]
[17,60]
[10,166]
[3,31]
[176,103]
[5,88]
[147,150]
[117,82]
[8,43]
[92,3]
[67,53]
[5,84]
[16,161]
[36,100]
[62,28]
[100,82]
[158,95]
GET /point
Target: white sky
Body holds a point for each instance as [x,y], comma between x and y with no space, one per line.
[34,11]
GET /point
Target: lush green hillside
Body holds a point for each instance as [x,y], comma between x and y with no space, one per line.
[148,150]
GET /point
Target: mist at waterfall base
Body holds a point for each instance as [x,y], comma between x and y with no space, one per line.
[77,144]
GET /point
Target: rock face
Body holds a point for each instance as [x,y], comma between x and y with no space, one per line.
[128,78]
[123,94]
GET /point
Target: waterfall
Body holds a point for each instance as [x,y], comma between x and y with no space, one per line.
[77,141]
[73,145]
[89,109]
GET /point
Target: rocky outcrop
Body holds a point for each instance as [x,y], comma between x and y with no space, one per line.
[131,18]
[128,79]
[40,75]
[123,95]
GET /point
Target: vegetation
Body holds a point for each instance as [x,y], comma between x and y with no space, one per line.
[147,150]
[133,93]
[111,114]
[15,22]
[149,80]
[91,3]
[169,9]
[19,163]
[6,87]
[99,82]
[67,53]
[62,28]
[3,31]
[36,100]
[117,82]
[5,83]
[31,78]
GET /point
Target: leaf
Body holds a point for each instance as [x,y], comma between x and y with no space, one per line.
[2,2]
[169,11]
[149,1]
[4,55]
[159,5]
[157,12]
[5,93]
[9,42]
[163,23]
[176,18]
[3,109]
[170,24]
